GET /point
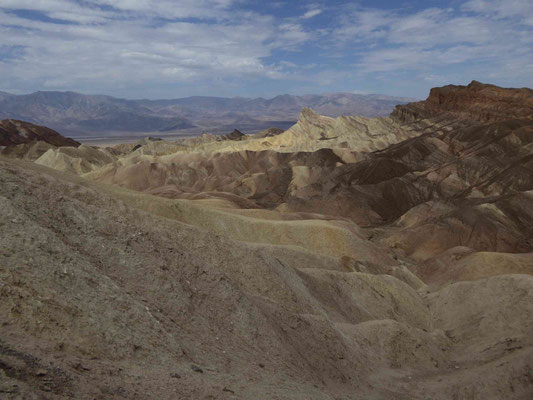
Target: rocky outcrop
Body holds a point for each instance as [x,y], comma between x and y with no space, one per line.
[313,132]
[372,171]
[235,135]
[28,151]
[14,132]
[476,102]
[267,133]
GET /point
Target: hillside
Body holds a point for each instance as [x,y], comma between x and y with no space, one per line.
[13,132]
[376,258]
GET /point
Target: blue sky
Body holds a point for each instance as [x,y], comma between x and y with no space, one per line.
[178,48]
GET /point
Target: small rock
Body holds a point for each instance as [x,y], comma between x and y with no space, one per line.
[261,365]
[175,375]
[41,372]
[80,367]
[6,388]
[228,390]
[196,368]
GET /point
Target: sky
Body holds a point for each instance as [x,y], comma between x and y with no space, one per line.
[178,48]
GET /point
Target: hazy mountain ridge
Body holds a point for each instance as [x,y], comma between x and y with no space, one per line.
[77,114]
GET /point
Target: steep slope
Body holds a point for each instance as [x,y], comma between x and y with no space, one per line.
[313,132]
[79,160]
[28,151]
[13,132]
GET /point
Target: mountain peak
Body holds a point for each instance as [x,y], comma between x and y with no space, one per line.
[308,114]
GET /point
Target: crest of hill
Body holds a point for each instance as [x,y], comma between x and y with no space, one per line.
[14,132]
[5,95]
[313,132]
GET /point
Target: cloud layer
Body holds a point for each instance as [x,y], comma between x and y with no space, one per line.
[164,48]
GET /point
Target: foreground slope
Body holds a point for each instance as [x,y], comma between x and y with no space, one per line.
[105,300]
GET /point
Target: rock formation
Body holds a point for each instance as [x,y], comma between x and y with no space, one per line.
[13,132]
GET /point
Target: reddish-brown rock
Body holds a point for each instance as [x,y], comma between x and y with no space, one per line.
[14,132]
[477,101]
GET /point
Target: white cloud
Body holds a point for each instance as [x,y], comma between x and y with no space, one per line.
[499,9]
[312,13]
[481,37]
[362,25]
[109,48]
[113,45]
[93,10]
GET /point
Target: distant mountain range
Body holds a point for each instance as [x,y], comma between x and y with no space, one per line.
[81,115]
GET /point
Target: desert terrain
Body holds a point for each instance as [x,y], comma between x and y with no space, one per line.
[343,258]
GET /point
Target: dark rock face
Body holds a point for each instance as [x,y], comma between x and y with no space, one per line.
[477,102]
[235,135]
[13,132]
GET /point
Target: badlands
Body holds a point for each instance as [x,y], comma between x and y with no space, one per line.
[344,258]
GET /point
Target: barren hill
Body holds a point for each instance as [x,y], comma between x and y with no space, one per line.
[13,132]
[384,258]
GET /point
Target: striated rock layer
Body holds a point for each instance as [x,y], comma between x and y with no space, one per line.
[477,102]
